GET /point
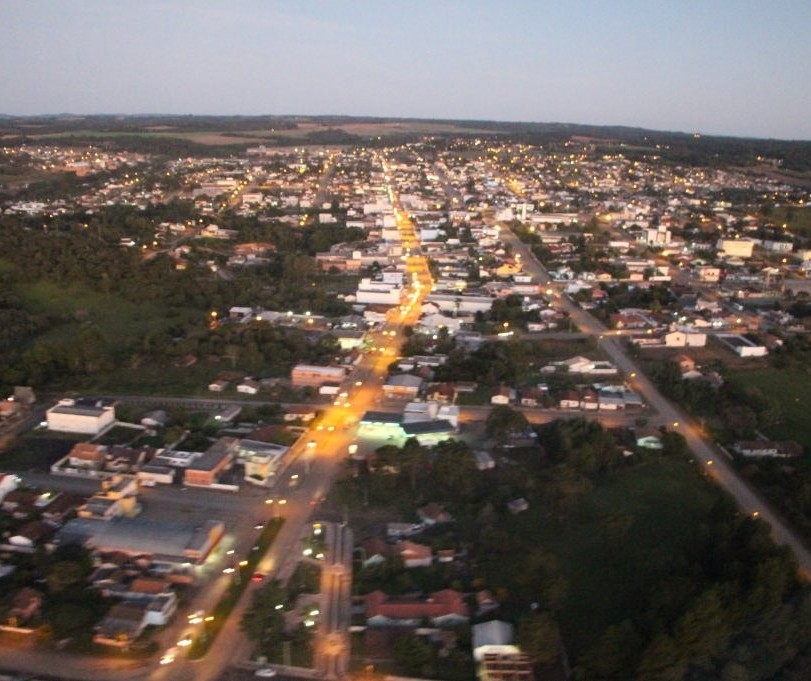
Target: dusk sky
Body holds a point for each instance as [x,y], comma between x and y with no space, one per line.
[731,67]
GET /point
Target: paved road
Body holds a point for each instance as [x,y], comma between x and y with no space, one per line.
[714,463]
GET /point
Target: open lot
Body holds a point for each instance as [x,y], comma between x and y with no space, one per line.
[664,502]
[789,388]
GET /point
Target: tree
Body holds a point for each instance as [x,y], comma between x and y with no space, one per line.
[503,421]
[663,660]
[263,622]
[413,653]
[539,637]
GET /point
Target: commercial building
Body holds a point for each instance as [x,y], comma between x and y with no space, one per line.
[309,374]
[81,415]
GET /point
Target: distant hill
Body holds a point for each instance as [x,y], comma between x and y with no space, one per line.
[158,133]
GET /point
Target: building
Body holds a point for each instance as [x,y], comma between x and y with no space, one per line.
[204,471]
[81,415]
[446,607]
[736,248]
[379,292]
[172,547]
[402,386]
[309,374]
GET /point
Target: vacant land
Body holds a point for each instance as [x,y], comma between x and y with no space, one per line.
[608,567]
[789,387]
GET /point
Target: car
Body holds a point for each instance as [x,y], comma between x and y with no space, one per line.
[169,656]
[258,577]
[265,672]
[196,617]
[186,640]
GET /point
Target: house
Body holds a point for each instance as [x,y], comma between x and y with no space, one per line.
[433,514]
[589,399]
[122,625]
[87,455]
[767,448]
[375,551]
[395,530]
[444,393]
[441,608]
[517,505]
[531,397]
[649,439]
[681,339]
[122,459]
[413,554]
[61,506]
[249,387]
[8,483]
[493,636]
[30,535]
[23,604]
[155,419]
[503,395]
[218,386]
[483,460]
[686,364]
[570,400]
[303,414]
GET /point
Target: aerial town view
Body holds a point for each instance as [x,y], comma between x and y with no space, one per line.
[346,364]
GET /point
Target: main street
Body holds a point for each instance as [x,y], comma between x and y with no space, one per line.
[317,458]
[714,463]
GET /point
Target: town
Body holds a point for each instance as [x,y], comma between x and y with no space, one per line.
[378,407]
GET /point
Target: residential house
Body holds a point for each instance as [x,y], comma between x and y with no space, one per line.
[517,505]
[218,386]
[31,535]
[767,449]
[23,605]
[441,608]
[87,455]
[249,387]
[681,339]
[8,483]
[570,400]
[122,625]
[503,395]
[531,396]
[433,514]
[413,554]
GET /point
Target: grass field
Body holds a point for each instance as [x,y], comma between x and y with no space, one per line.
[610,578]
[797,219]
[790,388]
[120,321]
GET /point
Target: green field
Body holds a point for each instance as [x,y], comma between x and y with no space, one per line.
[120,322]
[797,219]
[790,388]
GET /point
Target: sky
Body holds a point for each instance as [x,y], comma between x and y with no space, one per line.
[727,67]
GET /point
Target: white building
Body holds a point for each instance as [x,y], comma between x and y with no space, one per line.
[80,416]
[379,292]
